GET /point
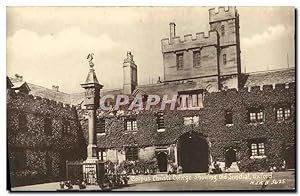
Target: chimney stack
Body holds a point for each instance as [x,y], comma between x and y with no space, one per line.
[172,30]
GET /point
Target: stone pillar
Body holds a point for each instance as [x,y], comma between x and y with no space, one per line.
[92,97]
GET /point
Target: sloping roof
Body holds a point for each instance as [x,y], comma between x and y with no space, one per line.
[21,86]
[49,93]
[270,77]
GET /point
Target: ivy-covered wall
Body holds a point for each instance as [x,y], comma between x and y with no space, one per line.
[35,156]
[211,124]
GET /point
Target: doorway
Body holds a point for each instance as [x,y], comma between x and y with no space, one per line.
[162,160]
[193,153]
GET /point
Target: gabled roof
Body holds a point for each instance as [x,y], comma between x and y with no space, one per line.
[21,86]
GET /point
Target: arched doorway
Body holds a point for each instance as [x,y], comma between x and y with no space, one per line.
[192,153]
[162,161]
[230,157]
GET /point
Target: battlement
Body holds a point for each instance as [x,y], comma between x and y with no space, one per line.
[44,101]
[222,13]
[257,89]
[188,41]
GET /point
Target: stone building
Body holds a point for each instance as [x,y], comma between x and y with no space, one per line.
[239,119]
[41,133]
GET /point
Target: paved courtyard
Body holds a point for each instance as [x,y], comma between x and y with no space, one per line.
[164,182]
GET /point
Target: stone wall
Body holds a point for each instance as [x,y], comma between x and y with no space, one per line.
[43,155]
[211,125]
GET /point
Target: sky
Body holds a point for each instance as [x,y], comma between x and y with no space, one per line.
[49,45]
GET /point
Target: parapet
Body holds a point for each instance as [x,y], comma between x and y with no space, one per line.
[289,87]
[189,41]
[37,100]
[222,13]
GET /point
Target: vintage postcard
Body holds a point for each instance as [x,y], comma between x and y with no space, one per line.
[151,98]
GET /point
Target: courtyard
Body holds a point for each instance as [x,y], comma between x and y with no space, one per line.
[196,181]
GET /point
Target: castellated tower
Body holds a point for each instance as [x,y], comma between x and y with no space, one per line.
[207,59]
[129,74]
[225,20]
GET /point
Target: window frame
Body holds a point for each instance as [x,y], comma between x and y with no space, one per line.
[133,124]
[196,58]
[102,154]
[100,126]
[257,148]
[179,60]
[134,153]
[286,113]
[256,115]
[228,119]
[192,121]
[160,120]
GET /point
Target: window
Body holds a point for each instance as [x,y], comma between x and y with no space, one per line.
[191,120]
[160,121]
[131,153]
[179,60]
[100,126]
[222,30]
[224,59]
[256,115]
[131,124]
[228,118]
[196,58]
[66,127]
[193,99]
[257,149]
[102,155]
[283,113]
[22,122]
[47,126]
